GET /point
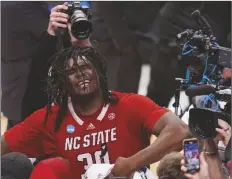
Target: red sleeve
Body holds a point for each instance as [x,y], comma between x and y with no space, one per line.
[146,111]
[27,136]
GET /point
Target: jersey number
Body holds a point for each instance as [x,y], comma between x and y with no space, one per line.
[90,159]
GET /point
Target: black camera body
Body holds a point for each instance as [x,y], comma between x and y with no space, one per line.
[202,43]
[203,124]
[80,17]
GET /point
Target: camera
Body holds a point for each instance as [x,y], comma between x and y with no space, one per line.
[80,16]
[205,83]
[202,44]
[202,124]
[204,78]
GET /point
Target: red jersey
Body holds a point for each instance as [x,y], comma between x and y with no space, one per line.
[123,129]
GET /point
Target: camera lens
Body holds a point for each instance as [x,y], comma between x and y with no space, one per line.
[80,26]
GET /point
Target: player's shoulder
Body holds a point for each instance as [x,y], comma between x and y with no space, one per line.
[131,98]
[41,114]
[43,111]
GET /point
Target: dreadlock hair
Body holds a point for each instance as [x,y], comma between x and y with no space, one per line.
[57,79]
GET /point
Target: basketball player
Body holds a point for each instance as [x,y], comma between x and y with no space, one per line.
[90,124]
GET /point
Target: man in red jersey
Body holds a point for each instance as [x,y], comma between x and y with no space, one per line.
[86,123]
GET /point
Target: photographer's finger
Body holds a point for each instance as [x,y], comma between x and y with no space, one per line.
[183,168]
[59,7]
[60,25]
[59,14]
[223,124]
[58,19]
[221,131]
[182,162]
[202,159]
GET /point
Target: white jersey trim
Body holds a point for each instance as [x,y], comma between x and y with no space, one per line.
[78,119]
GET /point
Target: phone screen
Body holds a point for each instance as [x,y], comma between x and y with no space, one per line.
[191,154]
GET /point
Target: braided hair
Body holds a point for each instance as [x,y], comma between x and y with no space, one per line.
[57,80]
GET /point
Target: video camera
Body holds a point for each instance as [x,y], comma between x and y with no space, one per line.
[203,44]
[80,16]
[205,58]
[204,77]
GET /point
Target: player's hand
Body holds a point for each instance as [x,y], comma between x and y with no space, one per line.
[224,133]
[77,42]
[202,174]
[58,19]
[122,168]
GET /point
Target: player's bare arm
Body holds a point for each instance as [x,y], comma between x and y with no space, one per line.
[171,131]
[4,147]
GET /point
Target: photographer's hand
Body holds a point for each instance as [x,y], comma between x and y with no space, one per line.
[202,174]
[213,159]
[58,19]
[224,133]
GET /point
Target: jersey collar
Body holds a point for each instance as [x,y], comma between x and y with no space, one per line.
[78,119]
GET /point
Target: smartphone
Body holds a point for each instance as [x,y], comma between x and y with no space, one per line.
[191,155]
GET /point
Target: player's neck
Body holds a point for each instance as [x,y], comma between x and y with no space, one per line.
[87,104]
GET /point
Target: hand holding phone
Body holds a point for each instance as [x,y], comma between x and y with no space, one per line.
[191,155]
[202,174]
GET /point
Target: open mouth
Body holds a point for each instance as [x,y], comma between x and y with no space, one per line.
[83,83]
